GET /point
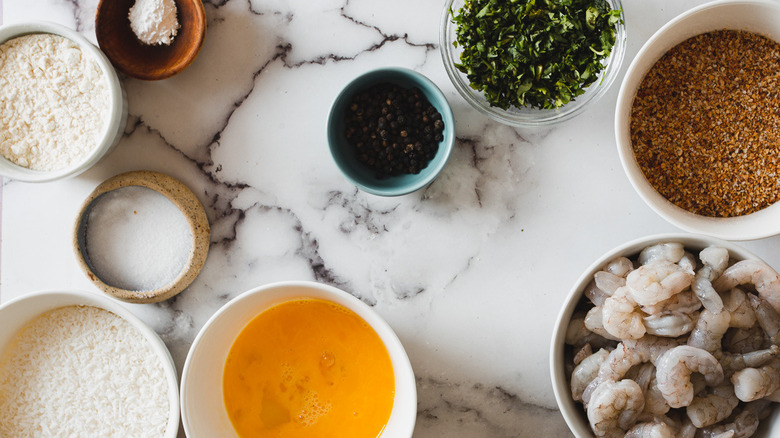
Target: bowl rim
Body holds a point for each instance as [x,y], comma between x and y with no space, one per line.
[434,167]
[571,411]
[533,118]
[114,128]
[56,298]
[398,356]
[740,228]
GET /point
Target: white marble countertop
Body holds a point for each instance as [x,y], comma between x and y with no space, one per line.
[470,272]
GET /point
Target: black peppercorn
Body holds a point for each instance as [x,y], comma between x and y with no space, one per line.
[396,129]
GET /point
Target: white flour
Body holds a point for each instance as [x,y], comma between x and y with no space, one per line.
[53,102]
[154,21]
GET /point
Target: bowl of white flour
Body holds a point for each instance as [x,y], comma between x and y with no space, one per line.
[62,106]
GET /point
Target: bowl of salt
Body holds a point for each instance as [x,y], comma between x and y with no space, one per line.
[141,237]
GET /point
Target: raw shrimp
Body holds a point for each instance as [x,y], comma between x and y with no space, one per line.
[740,340]
[713,407]
[767,317]
[578,335]
[675,367]
[608,282]
[657,281]
[614,407]
[621,317]
[672,324]
[754,383]
[688,262]
[670,252]
[594,294]
[651,429]
[655,405]
[594,322]
[709,330]
[742,425]
[620,266]
[736,302]
[732,362]
[763,277]
[715,260]
[585,372]
[627,354]
[683,302]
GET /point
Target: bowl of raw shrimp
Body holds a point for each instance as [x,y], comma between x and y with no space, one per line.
[670,335]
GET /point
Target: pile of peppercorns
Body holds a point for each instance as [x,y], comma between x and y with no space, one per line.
[394,130]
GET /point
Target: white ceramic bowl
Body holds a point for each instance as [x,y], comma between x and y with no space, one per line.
[527,117]
[116,116]
[761,16]
[16,313]
[203,409]
[572,411]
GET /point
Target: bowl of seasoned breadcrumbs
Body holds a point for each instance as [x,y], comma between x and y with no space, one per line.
[697,125]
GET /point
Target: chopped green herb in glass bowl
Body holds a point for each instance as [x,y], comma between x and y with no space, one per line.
[532,63]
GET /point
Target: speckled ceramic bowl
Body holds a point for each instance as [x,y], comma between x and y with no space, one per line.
[115,119]
[344,154]
[203,408]
[760,16]
[572,411]
[16,313]
[189,205]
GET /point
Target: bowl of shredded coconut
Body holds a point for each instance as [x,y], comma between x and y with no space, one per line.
[150,39]
[79,364]
[62,106]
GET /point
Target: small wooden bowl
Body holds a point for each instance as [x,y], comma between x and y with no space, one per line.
[141,61]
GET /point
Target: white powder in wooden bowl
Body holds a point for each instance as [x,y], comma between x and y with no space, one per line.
[54,102]
[82,371]
[154,21]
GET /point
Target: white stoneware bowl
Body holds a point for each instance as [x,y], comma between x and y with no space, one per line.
[572,411]
[203,409]
[116,118]
[760,16]
[16,313]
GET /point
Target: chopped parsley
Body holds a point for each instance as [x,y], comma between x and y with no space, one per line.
[533,53]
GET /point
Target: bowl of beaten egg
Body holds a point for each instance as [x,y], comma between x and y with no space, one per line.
[297,359]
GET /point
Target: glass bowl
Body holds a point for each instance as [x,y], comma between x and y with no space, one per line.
[527,117]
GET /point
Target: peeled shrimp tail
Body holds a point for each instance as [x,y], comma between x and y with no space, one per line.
[755,383]
[767,317]
[594,321]
[702,286]
[744,425]
[614,408]
[713,407]
[674,369]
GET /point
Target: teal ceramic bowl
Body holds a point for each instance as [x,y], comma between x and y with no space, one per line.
[344,154]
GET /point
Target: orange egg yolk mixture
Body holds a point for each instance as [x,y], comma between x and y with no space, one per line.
[308,368]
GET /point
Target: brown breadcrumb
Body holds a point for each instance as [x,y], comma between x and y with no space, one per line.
[705,124]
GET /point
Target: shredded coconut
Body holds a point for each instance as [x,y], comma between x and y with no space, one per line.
[53,102]
[137,239]
[154,21]
[82,371]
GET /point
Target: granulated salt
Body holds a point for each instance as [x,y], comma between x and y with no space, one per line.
[136,239]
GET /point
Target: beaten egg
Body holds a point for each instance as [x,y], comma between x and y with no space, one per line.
[308,368]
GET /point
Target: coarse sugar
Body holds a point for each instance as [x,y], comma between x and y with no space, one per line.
[705,124]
